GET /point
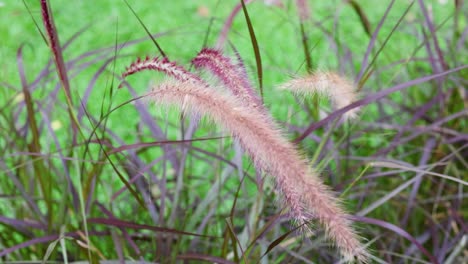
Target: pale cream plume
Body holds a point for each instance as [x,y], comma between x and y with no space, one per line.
[340,90]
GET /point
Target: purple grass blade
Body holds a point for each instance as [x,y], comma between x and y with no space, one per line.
[118,248]
[46,70]
[91,85]
[156,131]
[134,178]
[463,38]
[272,221]
[409,125]
[216,156]
[158,143]
[396,230]
[431,27]
[71,187]
[280,239]
[133,161]
[228,24]
[371,45]
[421,239]
[130,166]
[436,123]
[45,239]
[32,205]
[203,257]
[428,148]
[127,237]
[204,223]
[34,241]
[131,225]
[34,146]
[113,164]
[20,225]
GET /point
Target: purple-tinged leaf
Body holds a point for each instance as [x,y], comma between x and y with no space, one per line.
[157,143]
[21,225]
[428,148]
[34,146]
[155,130]
[63,160]
[126,224]
[45,239]
[127,236]
[32,205]
[92,83]
[396,230]
[114,167]
[228,24]
[202,257]
[421,111]
[364,65]
[430,25]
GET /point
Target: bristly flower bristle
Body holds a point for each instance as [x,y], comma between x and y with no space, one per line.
[162,65]
[232,75]
[340,90]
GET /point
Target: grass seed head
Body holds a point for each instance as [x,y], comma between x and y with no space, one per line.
[340,90]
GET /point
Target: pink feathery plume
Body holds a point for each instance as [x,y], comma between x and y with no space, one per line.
[233,76]
[162,65]
[303,191]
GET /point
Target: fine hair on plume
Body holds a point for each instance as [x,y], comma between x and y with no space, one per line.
[337,88]
[241,113]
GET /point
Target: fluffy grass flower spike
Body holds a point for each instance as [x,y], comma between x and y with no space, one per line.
[340,90]
[233,76]
[162,65]
[303,192]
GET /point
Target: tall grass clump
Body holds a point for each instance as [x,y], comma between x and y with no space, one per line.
[336,131]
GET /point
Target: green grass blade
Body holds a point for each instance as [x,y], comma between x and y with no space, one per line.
[258,58]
